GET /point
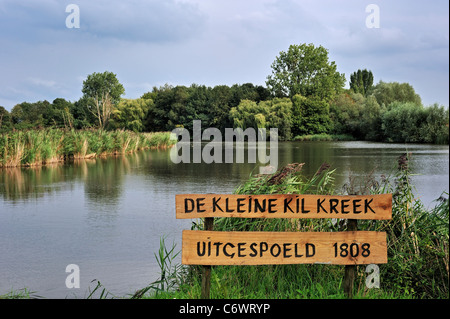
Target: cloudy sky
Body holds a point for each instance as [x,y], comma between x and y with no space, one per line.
[213,42]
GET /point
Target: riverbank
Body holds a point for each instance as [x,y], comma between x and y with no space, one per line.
[41,147]
[417,240]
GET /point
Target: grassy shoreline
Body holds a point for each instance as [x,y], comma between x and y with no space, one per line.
[418,251]
[42,147]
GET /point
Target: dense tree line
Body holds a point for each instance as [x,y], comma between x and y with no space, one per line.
[369,118]
[304,95]
[178,106]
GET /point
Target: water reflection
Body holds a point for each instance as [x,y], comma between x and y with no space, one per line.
[103,178]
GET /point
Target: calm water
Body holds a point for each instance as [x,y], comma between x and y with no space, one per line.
[107,215]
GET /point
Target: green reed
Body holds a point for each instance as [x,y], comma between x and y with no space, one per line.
[40,147]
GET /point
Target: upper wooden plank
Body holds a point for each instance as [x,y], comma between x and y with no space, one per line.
[374,207]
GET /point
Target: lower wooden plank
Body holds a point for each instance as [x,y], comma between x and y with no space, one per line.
[264,248]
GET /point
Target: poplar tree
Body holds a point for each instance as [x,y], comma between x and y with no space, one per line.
[361,82]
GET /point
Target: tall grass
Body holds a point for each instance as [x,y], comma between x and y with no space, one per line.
[40,147]
[418,240]
[170,276]
[417,244]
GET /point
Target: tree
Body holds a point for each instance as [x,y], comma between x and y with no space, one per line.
[403,122]
[82,114]
[197,106]
[220,107]
[310,115]
[28,115]
[371,115]
[105,91]
[345,114]
[388,92]
[5,119]
[305,70]
[435,129]
[361,82]
[179,106]
[275,113]
[279,115]
[58,114]
[130,114]
[247,91]
[169,108]
[248,114]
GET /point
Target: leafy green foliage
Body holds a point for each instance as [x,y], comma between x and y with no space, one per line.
[274,113]
[103,92]
[5,119]
[388,92]
[402,122]
[435,128]
[361,82]
[130,114]
[371,119]
[345,115]
[311,115]
[409,122]
[305,69]
[178,106]
[98,85]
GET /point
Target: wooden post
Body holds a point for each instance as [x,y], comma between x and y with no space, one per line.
[206,273]
[350,270]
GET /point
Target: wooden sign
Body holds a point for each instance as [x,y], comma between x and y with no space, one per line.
[264,248]
[375,207]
